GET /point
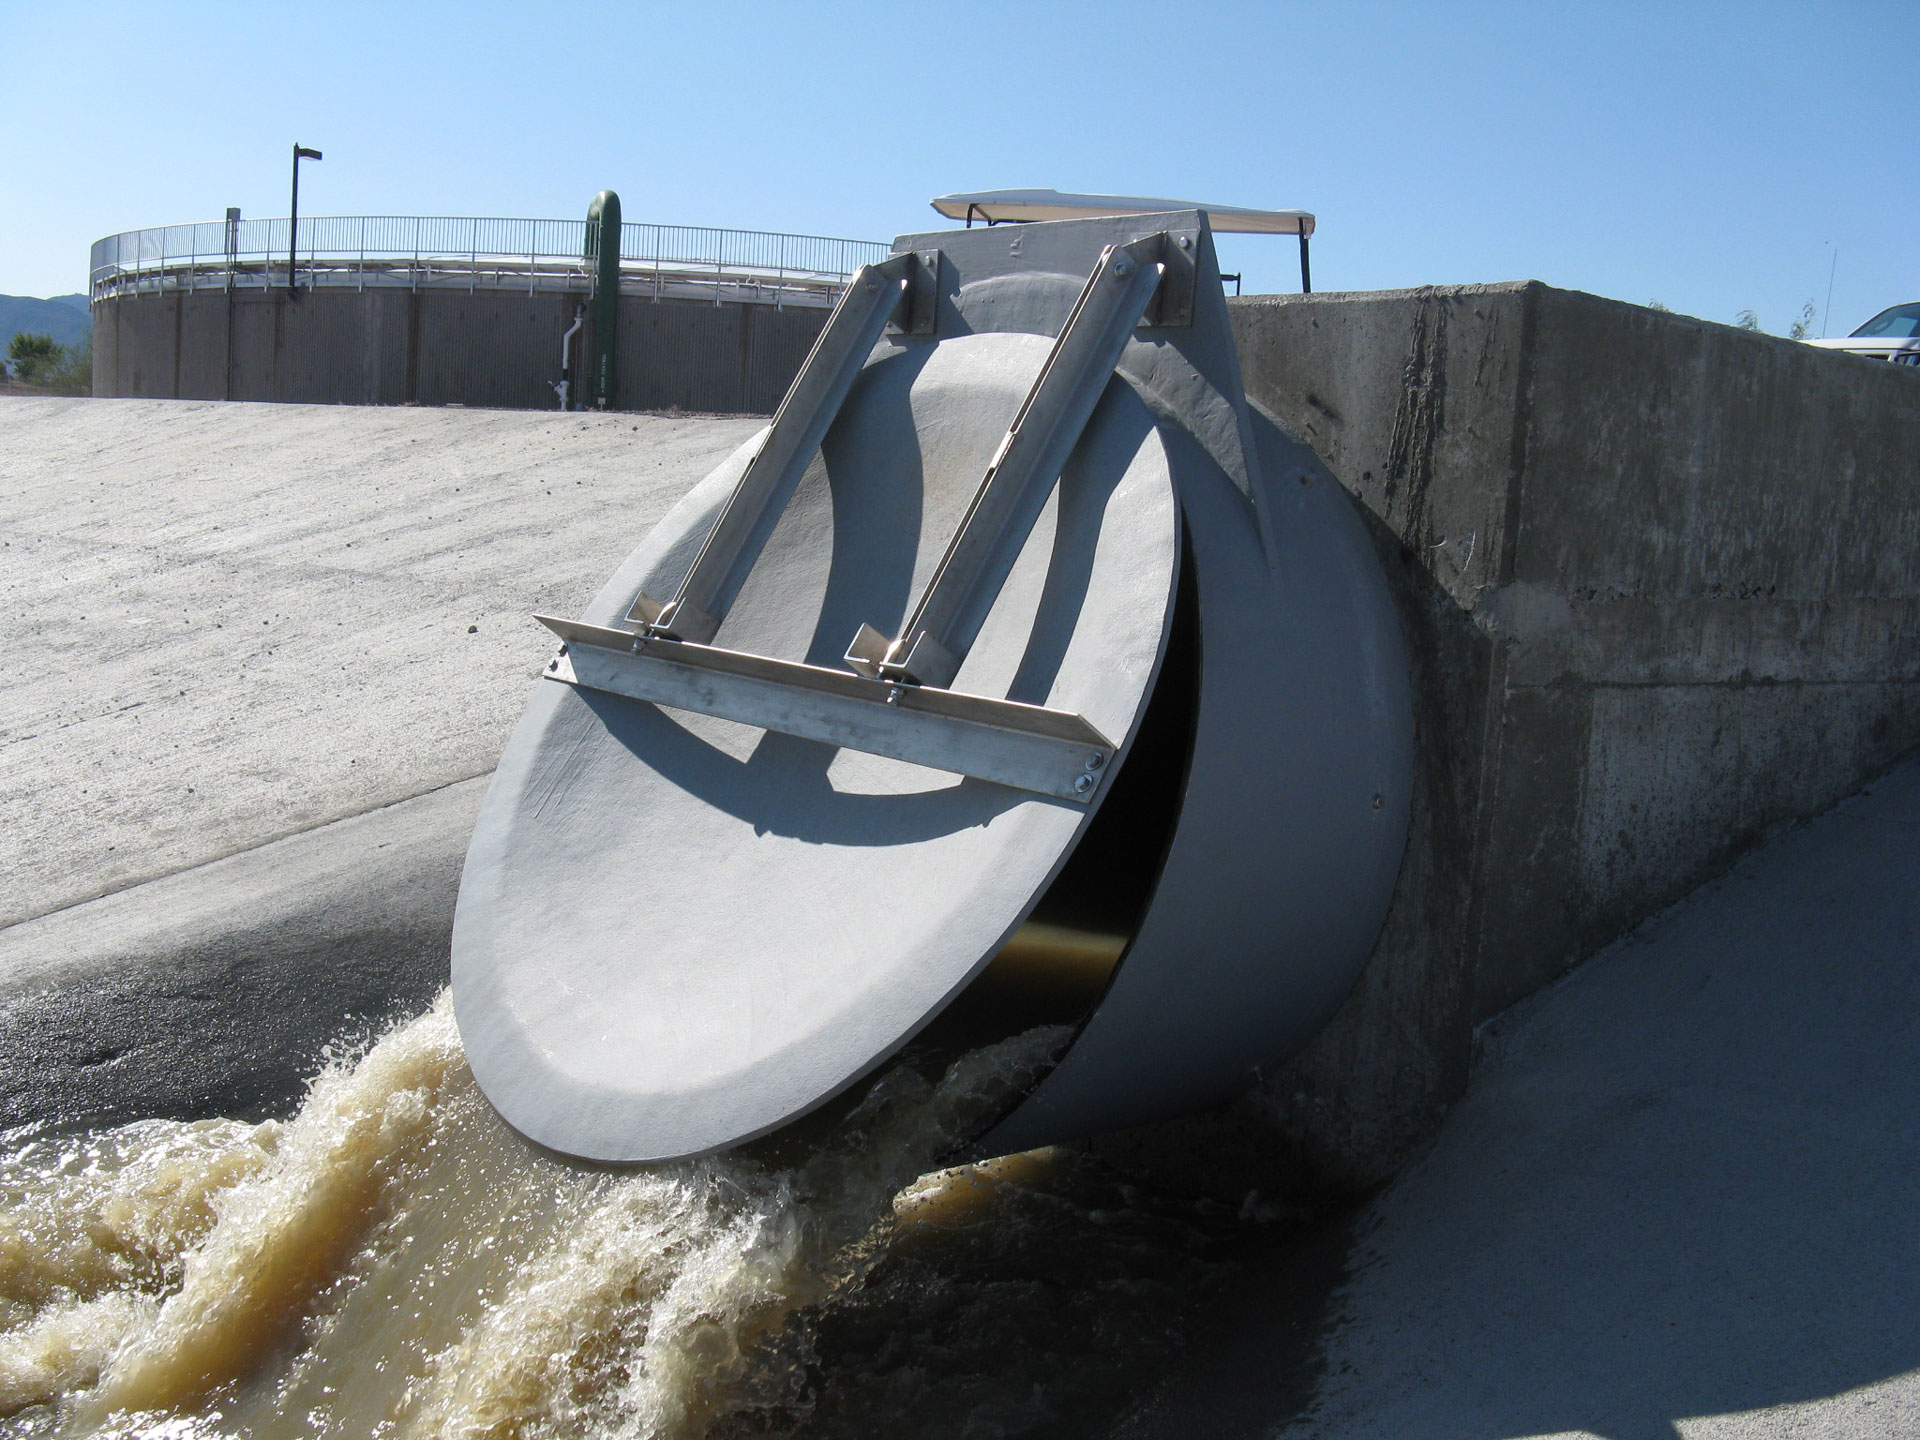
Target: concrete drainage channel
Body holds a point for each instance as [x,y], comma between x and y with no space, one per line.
[1575,687]
[1141,624]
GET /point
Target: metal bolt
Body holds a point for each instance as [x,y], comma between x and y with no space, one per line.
[1185,242]
[553,664]
[1082,784]
[1121,270]
[1096,760]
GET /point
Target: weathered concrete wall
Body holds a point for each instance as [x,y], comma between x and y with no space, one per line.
[489,348]
[684,355]
[1663,581]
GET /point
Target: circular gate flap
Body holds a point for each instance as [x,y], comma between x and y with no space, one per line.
[675,932]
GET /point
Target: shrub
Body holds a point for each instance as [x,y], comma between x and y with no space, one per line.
[28,355]
[63,369]
[71,373]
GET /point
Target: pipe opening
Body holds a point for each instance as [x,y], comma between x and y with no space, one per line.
[1058,965]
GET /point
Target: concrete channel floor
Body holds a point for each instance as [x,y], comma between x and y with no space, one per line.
[1680,1199]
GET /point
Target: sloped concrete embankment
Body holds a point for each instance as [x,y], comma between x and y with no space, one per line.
[1677,1199]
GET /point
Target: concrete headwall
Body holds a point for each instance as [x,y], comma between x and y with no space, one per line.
[490,348]
[1662,579]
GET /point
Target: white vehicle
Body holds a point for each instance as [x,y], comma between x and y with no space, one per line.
[1891,335]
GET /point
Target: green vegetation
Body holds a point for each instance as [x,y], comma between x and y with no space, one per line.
[1801,329]
[28,355]
[64,369]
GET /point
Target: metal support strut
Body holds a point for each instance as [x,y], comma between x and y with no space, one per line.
[1020,476]
[875,295]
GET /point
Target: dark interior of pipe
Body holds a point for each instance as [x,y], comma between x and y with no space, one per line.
[1058,964]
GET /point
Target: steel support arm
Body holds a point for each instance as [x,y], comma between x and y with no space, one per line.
[1021,475]
[872,297]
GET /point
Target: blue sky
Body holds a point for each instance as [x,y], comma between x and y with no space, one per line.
[1716,157]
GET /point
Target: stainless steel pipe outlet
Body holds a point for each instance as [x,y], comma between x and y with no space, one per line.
[1020,672]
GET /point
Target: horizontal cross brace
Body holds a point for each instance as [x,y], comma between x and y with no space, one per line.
[1029,747]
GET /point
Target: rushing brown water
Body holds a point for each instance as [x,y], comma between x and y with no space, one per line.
[393,1261]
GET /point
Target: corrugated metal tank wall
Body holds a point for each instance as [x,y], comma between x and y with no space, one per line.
[489,347]
[730,358]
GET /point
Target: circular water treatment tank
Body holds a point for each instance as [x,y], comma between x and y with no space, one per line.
[684,925]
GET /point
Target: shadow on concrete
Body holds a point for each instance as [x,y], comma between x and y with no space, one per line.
[1257,1359]
[218,991]
[1680,1197]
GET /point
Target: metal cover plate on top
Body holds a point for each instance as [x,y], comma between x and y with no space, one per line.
[675,932]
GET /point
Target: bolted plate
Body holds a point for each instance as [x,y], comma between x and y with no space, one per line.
[676,932]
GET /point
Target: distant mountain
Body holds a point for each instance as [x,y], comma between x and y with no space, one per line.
[65,318]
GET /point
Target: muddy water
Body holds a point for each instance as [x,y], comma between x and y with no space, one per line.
[392,1261]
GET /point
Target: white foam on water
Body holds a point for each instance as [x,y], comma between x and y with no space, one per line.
[395,1262]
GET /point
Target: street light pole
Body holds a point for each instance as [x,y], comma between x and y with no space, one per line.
[300,152]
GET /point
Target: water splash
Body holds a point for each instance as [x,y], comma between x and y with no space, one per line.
[92,1232]
[395,1262]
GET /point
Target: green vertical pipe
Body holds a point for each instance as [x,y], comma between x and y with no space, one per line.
[603,254]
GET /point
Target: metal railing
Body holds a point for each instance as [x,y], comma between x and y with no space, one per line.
[435,251]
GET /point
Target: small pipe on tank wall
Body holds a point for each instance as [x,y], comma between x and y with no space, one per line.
[565,383]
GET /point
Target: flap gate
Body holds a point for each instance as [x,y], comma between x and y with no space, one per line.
[1113,686]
